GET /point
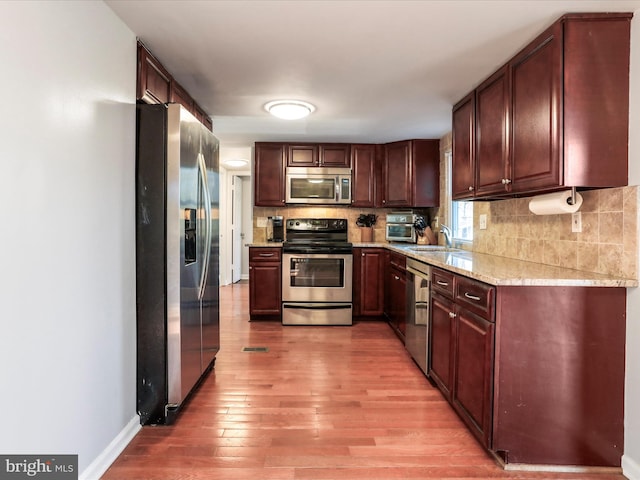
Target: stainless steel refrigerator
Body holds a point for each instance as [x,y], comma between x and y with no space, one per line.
[177,258]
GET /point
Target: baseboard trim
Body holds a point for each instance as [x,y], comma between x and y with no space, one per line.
[527,467]
[630,468]
[103,461]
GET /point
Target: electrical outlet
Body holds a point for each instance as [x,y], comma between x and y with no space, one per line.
[483,221]
[576,222]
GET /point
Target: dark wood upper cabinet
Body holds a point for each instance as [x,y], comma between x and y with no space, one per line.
[302,155]
[154,82]
[463,166]
[335,155]
[269,174]
[156,85]
[492,135]
[411,171]
[556,115]
[319,155]
[364,166]
[181,96]
[536,76]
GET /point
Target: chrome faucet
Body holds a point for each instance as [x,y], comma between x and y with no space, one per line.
[447,235]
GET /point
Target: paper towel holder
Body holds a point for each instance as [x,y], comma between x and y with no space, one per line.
[572,200]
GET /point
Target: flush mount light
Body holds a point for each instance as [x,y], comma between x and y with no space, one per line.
[235,162]
[289,109]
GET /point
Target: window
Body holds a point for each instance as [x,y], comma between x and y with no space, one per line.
[461,214]
[462,221]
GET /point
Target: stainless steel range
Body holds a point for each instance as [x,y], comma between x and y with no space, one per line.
[317,272]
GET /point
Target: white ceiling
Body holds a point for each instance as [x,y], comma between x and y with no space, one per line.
[377,71]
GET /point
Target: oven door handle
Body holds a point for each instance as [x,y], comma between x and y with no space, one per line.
[317,306]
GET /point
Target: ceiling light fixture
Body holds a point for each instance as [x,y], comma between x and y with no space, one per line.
[289,109]
[235,162]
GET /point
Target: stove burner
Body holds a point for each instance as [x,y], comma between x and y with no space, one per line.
[317,235]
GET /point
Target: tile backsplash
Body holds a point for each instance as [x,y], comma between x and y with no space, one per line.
[607,243]
[351,214]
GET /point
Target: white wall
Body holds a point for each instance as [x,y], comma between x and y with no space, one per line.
[631,458]
[67,216]
[228,152]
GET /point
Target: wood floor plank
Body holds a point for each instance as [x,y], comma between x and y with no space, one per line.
[324,403]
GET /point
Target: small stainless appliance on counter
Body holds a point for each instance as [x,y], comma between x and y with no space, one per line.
[317,272]
[401,227]
[275,229]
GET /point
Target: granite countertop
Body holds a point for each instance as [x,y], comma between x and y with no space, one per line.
[498,271]
[503,271]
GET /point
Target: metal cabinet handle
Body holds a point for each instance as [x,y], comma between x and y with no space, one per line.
[397,277]
[472,297]
[452,315]
[444,284]
[267,254]
[471,188]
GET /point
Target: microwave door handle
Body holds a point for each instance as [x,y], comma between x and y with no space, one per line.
[337,185]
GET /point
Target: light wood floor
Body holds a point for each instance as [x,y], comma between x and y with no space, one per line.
[322,403]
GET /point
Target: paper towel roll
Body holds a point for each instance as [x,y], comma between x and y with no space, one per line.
[555,203]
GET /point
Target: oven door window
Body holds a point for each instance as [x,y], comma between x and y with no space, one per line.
[400,230]
[324,188]
[317,272]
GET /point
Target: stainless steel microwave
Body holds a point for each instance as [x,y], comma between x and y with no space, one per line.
[320,186]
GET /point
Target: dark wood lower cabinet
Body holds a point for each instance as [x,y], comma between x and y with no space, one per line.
[442,332]
[473,385]
[265,282]
[536,372]
[396,294]
[368,282]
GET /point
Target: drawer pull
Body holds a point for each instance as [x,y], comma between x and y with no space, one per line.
[397,277]
[472,297]
[267,254]
[452,315]
[441,283]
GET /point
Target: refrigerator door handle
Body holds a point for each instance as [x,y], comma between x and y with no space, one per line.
[202,167]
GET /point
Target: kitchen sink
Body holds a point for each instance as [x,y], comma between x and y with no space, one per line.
[435,248]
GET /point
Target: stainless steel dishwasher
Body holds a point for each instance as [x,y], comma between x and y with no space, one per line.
[418,287]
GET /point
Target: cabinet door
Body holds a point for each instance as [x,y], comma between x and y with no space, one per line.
[265,288]
[440,343]
[536,82]
[335,155]
[370,281]
[473,392]
[302,155]
[463,164]
[492,135]
[154,82]
[363,161]
[269,188]
[397,301]
[397,175]
[181,96]
[265,281]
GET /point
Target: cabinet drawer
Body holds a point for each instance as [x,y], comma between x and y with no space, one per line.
[475,296]
[442,282]
[258,254]
[397,260]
